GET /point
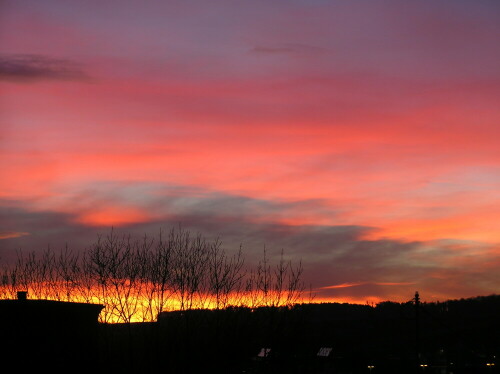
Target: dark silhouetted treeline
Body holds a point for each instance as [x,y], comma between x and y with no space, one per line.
[456,336]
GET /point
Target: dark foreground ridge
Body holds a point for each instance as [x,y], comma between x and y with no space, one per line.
[456,336]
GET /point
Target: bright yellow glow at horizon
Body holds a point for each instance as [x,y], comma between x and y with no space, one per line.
[137,306]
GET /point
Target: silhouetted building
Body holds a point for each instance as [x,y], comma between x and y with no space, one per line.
[49,335]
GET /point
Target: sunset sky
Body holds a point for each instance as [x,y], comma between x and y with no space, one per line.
[362,137]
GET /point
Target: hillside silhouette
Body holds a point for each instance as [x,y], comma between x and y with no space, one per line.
[455,336]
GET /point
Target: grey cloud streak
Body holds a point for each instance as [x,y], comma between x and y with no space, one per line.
[33,67]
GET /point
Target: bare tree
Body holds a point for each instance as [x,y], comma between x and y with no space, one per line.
[225,274]
[68,274]
[189,268]
[138,279]
[115,263]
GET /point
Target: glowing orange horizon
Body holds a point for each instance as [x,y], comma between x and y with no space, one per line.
[144,309]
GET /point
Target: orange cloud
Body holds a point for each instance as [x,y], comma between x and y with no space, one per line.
[112,216]
[343,285]
[10,235]
[346,285]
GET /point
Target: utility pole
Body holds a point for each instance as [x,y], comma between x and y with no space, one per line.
[417,331]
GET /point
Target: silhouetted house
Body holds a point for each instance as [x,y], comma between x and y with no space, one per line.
[49,335]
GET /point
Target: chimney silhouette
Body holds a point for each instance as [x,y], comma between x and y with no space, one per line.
[22,295]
